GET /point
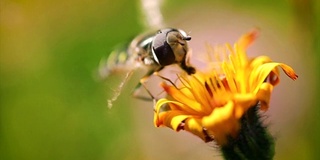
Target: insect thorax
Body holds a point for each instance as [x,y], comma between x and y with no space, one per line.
[140,49]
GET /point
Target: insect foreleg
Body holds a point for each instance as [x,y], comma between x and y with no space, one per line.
[141,83]
[189,69]
[136,91]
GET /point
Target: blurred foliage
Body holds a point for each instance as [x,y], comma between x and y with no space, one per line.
[51,107]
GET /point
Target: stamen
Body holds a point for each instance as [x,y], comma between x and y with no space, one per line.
[208,89]
[229,77]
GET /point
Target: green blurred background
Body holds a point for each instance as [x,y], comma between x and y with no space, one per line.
[51,106]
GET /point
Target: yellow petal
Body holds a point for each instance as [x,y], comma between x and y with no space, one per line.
[158,116]
[189,104]
[258,76]
[222,123]
[246,40]
[289,71]
[200,94]
[177,119]
[264,95]
[158,119]
[243,102]
[194,126]
[171,119]
[259,61]
[161,103]
[230,77]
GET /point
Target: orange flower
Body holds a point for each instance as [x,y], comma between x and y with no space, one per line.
[210,104]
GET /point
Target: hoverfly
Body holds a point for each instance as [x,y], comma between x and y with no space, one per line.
[153,51]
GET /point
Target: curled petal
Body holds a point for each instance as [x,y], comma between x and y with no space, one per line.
[264,95]
[171,119]
[160,116]
[176,121]
[259,61]
[260,73]
[289,71]
[194,126]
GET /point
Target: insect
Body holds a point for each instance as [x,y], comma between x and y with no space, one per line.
[153,51]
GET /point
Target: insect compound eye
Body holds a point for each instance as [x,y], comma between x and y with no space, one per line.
[184,35]
[174,37]
[178,36]
[161,50]
[164,46]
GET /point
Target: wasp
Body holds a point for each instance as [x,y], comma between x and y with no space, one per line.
[152,50]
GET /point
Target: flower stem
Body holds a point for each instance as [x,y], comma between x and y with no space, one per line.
[253,142]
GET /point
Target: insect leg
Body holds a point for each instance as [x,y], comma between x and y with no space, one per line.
[136,90]
[189,69]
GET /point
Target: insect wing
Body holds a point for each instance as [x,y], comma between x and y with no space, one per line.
[117,62]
